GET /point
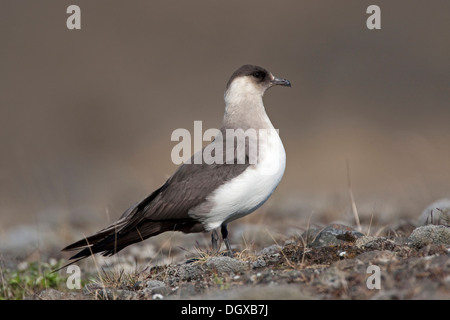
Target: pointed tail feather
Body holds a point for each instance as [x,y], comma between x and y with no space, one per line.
[109,241]
[89,241]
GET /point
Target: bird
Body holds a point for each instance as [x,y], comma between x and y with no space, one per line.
[207,196]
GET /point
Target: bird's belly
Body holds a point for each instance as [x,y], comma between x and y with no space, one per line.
[247,192]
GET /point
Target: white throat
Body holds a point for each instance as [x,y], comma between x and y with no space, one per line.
[243,89]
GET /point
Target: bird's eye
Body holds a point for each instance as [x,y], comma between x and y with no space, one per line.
[258,75]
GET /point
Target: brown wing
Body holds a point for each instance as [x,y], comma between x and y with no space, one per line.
[166,209]
[187,188]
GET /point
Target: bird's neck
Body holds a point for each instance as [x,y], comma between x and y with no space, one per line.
[245,112]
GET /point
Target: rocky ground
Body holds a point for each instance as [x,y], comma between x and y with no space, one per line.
[282,258]
[335,262]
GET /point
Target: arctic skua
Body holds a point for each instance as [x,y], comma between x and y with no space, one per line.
[206,196]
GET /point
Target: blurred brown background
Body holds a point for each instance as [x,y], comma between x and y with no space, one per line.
[86,116]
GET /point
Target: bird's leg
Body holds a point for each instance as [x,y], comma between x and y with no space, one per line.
[224,232]
[214,240]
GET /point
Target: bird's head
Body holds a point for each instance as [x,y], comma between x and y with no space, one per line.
[251,81]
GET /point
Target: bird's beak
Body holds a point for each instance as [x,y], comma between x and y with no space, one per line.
[281,82]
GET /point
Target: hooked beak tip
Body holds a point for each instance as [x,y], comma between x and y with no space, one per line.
[281,82]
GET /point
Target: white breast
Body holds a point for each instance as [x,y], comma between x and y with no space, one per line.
[253,187]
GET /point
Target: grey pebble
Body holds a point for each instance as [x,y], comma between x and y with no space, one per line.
[430,234]
[336,234]
[227,264]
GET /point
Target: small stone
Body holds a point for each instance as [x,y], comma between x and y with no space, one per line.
[336,234]
[270,250]
[375,243]
[430,234]
[156,286]
[114,294]
[151,284]
[190,272]
[259,263]
[226,264]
